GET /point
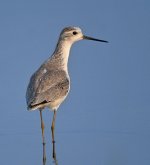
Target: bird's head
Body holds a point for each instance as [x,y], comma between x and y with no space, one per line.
[73,34]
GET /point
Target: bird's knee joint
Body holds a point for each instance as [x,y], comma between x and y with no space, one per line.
[53,141]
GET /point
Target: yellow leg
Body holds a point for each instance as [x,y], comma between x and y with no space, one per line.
[53,134]
[53,127]
[43,137]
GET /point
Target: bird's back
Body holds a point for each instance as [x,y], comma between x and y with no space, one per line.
[48,86]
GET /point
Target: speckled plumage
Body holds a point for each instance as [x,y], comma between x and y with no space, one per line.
[50,84]
[46,87]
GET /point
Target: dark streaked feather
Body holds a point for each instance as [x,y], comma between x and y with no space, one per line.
[47,86]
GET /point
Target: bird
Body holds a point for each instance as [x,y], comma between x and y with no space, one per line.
[50,84]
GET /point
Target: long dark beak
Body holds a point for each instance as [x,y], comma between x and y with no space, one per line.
[94,39]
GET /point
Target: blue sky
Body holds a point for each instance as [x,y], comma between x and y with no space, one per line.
[108,106]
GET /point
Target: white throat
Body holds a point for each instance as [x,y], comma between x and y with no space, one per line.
[63,48]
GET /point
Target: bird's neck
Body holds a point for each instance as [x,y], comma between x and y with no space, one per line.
[61,54]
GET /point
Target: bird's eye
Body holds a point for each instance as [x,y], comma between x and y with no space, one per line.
[74,33]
